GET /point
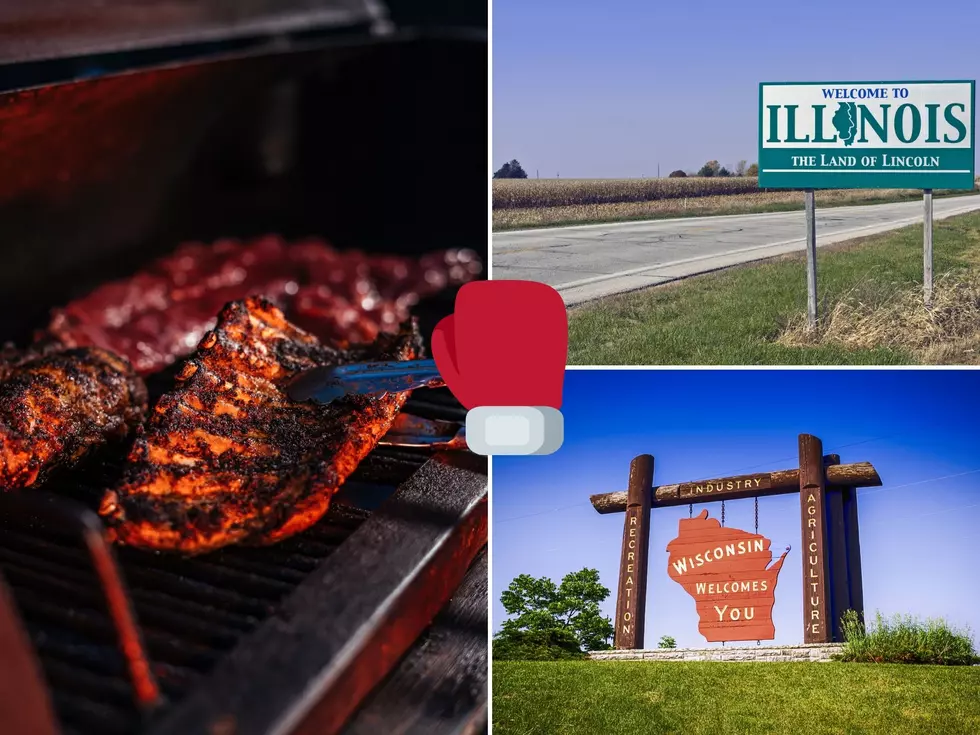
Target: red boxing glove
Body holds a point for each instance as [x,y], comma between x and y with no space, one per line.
[506,346]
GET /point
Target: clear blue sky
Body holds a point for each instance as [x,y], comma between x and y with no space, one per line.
[609,89]
[920,535]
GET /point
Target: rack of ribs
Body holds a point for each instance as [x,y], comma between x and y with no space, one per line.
[56,406]
[227,458]
[158,316]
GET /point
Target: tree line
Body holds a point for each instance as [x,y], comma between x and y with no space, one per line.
[713,168]
[513,170]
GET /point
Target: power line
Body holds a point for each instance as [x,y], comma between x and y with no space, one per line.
[541,512]
[923,515]
[866,493]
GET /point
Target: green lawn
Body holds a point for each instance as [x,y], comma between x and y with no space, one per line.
[716,698]
[734,316]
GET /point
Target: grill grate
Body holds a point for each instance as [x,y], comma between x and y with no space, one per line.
[191,612]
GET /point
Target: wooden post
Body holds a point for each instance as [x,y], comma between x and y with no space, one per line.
[817,623]
[811,258]
[927,248]
[854,580]
[839,588]
[631,598]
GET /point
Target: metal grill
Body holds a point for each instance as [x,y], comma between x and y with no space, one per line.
[190,612]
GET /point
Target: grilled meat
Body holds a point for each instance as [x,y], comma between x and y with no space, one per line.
[56,406]
[158,316]
[227,458]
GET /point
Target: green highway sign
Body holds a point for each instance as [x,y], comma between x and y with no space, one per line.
[867,135]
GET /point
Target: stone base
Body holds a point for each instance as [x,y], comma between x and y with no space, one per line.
[804,652]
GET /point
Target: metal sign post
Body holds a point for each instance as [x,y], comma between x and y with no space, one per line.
[927,249]
[811,258]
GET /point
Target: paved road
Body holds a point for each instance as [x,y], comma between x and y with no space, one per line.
[591,261]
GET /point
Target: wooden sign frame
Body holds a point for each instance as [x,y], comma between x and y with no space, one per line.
[832,580]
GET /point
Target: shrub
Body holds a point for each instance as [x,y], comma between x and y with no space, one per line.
[536,645]
[510,170]
[906,640]
[678,174]
[667,641]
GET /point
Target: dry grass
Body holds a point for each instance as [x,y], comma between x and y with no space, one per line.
[878,316]
[526,203]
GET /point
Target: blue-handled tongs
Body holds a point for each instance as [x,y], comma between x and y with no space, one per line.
[328,384]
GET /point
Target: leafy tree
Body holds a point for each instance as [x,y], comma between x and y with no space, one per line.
[678,174]
[752,170]
[709,169]
[536,645]
[740,168]
[667,642]
[724,172]
[510,170]
[538,604]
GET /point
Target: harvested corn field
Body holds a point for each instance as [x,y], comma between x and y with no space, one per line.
[526,203]
[520,193]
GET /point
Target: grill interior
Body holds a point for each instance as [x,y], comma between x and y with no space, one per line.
[377,146]
[190,611]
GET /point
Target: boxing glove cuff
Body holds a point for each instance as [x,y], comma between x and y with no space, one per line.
[499,430]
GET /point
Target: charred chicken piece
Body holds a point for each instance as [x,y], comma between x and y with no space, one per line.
[57,406]
[227,458]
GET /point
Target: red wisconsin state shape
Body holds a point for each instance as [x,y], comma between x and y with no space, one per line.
[506,344]
[727,572]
